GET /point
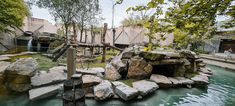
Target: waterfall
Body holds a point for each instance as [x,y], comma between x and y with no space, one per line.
[29,45]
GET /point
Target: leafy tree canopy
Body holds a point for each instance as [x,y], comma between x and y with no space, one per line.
[12,14]
[191,20]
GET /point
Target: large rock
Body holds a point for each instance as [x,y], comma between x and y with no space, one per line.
[152,55]
[58,68]
[44,92]
[90,80]
[3,58]
[124,91]
[139,69]
[200,80]
[161,80]
[118,64]
[145,87]
[17,75]
[111,73]
[23,66]
[103,90]
[3,66]
[167,62]
[180,81]
[48,78]
[189,54]
[205,70]
[92,71]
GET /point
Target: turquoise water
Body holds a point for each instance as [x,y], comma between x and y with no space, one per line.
[220,92]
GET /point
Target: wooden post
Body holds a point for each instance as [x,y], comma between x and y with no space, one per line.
[71,64]
[103,40]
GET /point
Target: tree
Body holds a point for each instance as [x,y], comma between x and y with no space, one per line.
[62,10]
[87,14]
[136,19]
[12,14]
[194,18]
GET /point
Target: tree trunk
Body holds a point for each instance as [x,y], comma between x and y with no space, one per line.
[103,41]
[85,36]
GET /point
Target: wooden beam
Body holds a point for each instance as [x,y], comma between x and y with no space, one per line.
[103,40]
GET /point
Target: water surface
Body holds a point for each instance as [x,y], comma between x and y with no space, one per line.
[220,92]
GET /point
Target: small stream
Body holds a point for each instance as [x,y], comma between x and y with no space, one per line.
[220,92]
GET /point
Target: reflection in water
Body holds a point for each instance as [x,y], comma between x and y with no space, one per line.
[220,91]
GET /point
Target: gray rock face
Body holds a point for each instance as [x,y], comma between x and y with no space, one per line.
[103,90]
[139,69]
[189,54]
[3,66]
[23,66]
[200,80]
[145,87]
[90,80]
[48,78]
[161,80]
[205,71]
[18,74]
[58,68]
[153,55]
[91,71]
[124,91]
[44,92]
[111,73]
[180,81]
[118,64]
[3,58]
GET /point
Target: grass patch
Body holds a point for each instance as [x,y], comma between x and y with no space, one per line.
[44,63]
[128,81]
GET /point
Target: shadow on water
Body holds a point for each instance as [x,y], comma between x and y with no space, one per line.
[220,92]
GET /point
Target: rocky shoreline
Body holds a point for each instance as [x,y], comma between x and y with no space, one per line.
[149,70]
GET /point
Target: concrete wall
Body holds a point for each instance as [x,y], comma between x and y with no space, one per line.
[7,40]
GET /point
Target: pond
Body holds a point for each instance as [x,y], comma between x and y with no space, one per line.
[220,91]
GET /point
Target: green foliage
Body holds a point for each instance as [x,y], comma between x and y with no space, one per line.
[12,14]
[190,20]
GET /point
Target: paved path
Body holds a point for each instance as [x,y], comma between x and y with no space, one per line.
[210,59]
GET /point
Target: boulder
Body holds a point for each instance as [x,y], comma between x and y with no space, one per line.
[201,64]
[118,64]
[170,54]
[152,55]
[167,62]
[3,66]
[127,53]
[124,91]
[58,68]
[139,69]
[17,75]
[103,90]
[205,70]
[90,80]
[23,66]
[48,78]
[145,87]
[44,92]
[91,71]
[3,58]
[161,80]
[200,80]
[111,73]
[180,81]
[189,54]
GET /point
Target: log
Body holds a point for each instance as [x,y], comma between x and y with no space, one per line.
[108,44]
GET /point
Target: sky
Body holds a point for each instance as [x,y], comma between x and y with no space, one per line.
[106,6]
